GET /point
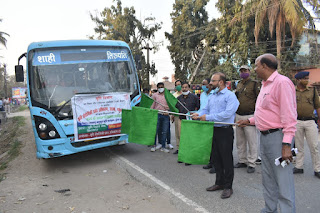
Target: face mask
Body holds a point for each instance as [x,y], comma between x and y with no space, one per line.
[185,93]
[147,94]
[244,75]
[205,88]
[216,90]
[304,82]
[178,88]
[161,90]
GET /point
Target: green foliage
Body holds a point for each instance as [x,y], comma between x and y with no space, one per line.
[230,40]
[189,19]
[22,108]
[11,82]
[118,23]
[280,16]
[3,40]
[237,44]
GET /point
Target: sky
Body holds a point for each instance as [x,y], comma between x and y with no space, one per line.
[28,21]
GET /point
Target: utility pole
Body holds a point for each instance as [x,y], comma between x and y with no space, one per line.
[5,80]
[148,49]
[196,70]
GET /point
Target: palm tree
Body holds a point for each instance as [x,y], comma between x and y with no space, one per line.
[3,40]
[278,13]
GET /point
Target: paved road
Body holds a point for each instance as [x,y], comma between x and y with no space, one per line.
[191,181]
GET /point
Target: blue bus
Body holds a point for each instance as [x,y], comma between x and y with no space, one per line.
[57,71]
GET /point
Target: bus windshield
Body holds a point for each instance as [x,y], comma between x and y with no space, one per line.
[55,76]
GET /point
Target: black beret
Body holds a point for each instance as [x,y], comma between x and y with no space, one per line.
[301,74]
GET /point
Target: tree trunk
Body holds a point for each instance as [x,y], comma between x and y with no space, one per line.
[278,35]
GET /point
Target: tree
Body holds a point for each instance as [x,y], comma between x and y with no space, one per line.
[189,22]
[279,14]
[118,23]
[232,42]
[3,39]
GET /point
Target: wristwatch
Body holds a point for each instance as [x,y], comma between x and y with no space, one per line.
[286,144]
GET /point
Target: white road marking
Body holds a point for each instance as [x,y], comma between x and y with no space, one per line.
[186,200]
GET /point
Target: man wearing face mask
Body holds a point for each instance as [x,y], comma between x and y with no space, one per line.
[307,102]
[146,91]
[221,107]
[206,94]
[175,119]
[204,97]
[247,93]
[163,124]
[187,100]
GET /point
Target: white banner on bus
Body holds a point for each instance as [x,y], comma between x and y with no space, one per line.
[98,116]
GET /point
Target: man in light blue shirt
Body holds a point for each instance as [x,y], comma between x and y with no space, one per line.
[204,97]
[221,107]
[206,94]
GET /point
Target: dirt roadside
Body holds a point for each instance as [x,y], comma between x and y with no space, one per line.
[86,182]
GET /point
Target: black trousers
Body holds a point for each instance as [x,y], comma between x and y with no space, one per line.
[222,146]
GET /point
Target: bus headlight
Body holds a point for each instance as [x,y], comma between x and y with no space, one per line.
[42,126]
[52,133]
[43,135]
[45,128]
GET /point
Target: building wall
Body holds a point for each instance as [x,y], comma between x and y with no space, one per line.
[314,75]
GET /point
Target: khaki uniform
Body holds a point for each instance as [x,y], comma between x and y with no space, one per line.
[177,122]
[307,101]
[247,93]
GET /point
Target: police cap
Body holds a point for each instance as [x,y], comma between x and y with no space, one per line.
[301,74]
[244,67]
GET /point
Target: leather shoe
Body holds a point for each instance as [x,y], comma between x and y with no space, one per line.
[212,170]
[180,162]
[317,174]
[187,164]
[176,152]
[297,171]
[214,188]
[240,165]
[226,193]
[209,166]
[251,169]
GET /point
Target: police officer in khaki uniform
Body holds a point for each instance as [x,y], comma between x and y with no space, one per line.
[307,102]
[247,93]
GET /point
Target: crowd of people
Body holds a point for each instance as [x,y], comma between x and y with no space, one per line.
[271,118]
[4,107]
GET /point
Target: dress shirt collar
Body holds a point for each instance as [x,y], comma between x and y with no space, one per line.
[223,91]
[211,92]
[271,77]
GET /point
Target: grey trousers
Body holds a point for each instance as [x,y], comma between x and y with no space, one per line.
[278,182]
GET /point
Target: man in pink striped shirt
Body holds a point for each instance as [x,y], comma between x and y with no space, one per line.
[276,118]
[163,125]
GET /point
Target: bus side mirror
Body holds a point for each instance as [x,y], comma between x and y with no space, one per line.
[19,73]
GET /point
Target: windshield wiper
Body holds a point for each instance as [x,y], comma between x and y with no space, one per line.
[60,108]
[63,105]
[52,94]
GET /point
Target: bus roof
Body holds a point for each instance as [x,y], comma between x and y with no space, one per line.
[76,43]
